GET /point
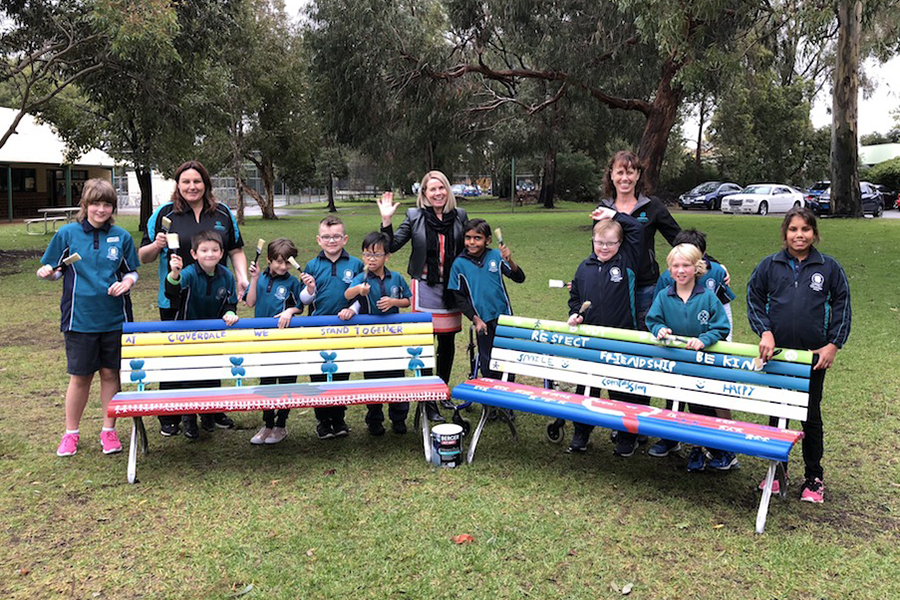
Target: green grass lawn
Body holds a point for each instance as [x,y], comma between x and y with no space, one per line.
[366,517]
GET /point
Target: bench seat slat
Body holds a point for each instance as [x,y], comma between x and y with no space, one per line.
[239,348]
[745,438]
[656,391]
[274,397]
[267,322]
[193,373]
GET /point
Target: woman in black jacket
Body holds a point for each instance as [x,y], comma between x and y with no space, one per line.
[436,228]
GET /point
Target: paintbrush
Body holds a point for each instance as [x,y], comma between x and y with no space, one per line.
[259,248]
[295,264]
[584,306]
[172,241]
[166,223]
[558,283]
[69,261]
[759,363]
[499,235]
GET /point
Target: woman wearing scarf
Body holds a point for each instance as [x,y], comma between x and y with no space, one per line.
[436,228]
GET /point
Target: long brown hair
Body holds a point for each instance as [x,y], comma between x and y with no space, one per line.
[94,191]
[209,201]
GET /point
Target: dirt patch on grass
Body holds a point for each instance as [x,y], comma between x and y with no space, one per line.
[11,260]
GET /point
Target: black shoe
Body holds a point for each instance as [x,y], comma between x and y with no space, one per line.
[375,428]
[169,429]
[448,404]
[399,427]
[341,429]
[579,442]
[625,446]
[324,430]
[223,421]
[433,414]
[207,423]
[191,431]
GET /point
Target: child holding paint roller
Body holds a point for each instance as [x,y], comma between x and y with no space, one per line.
[800,298]
[601,293]
[476,279]
[690,309]
[102,258]
[276,293]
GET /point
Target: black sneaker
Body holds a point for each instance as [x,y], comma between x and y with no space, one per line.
[579,442]
[207,423]
[433,414]
[625,447]
[191,431]
[324,430]
[399,427]
[223,421]
[375,428]
[341,429]
[169,429]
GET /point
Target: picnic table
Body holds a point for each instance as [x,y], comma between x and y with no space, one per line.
[50,217]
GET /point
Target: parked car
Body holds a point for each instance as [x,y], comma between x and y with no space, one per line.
[871,201]
[458,189]
[471,190]
[763,198]
[707,195]
[888,197]
[816,190]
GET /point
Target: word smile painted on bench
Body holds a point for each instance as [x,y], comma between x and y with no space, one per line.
[562,339]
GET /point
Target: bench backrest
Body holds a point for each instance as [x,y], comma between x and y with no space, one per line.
[721,376]
[154,352]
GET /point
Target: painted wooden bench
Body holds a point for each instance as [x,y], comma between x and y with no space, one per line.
[722,376]
[50,224]
[186,351]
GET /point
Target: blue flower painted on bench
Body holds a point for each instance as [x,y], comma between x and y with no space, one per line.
[415,363]
[137,375]
[237,370]
[328,367]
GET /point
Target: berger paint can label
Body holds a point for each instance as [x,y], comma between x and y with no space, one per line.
[446,445]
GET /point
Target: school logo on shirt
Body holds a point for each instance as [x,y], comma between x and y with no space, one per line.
[280,292]
[348,276]
[492,266]
[703,317]
[817,282]
[395,291]
[112,253]
[643,218]
[221,293]
[218,226]
[615,274]
[711,285]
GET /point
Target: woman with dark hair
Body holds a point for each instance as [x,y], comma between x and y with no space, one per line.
[192,209]
[436,228]
[623,190]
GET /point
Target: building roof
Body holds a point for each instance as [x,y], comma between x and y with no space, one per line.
[878,153]
[38,143]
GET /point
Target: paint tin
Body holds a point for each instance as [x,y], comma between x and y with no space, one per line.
[446,445]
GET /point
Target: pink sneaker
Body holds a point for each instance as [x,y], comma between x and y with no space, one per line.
[69,445]
[776,486]
[109,440]
[813,490]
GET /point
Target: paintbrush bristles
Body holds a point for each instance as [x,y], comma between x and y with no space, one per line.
[584,306]
[72,258]
[166,223]
[260,244]
[294,263]
[172,241]
[499,235]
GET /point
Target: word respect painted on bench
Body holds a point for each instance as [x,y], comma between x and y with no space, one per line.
[549,337]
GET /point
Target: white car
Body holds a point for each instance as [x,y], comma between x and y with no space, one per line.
[763,198]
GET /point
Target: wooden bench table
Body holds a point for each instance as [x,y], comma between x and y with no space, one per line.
[185,351]
[722,376]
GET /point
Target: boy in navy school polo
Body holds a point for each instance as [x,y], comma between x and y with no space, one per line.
[380,291]
[221,220]
[333,269]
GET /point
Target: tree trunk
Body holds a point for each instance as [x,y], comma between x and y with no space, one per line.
[429,156]
[239,193]
[145,183]
[697,155]
[659,124]
[268,177]
[548,179]
[330,187]
[237,163]
[845,192]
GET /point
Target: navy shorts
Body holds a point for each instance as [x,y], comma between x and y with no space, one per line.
[87,353]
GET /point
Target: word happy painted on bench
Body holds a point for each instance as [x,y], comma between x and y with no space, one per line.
[562,339]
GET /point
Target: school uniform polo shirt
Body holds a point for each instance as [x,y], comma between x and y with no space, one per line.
[332,280]
[203,296]
[184,224]
[275,293]
[393,286]
[107,254]
[713,280]
[481,281]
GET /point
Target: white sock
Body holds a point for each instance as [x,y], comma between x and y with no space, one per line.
[68,431]
[107,429]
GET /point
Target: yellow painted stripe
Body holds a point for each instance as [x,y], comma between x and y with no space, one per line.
[256,347]
[290,333]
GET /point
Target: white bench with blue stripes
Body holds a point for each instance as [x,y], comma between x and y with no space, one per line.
[723,376]
[202,350]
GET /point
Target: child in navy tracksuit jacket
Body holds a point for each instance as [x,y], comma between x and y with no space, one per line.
[800,298]
[476,280]
[278,294]
[607,279]
[689,309]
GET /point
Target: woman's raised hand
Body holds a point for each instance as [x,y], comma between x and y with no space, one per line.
[387,207]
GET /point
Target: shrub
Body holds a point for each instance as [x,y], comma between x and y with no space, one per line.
[577,177]
[886,173]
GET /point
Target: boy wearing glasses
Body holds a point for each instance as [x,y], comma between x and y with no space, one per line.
[333,269]
[380,291]
[607,279]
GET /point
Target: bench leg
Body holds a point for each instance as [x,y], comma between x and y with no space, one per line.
[504,416]
[766,496]
[422,417]
[470,456]
[142,432]
[132,451]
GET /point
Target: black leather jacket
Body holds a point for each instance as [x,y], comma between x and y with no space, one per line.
[413,227]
